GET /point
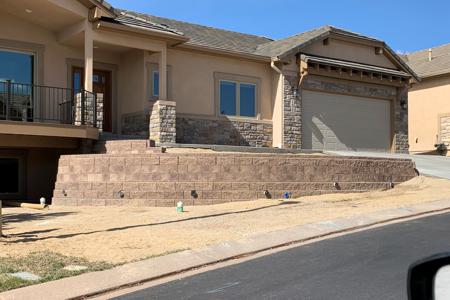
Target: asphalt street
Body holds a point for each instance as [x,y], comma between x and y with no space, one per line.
[371,264]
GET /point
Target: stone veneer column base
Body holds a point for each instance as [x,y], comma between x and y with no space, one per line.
[401,121]
[163,122]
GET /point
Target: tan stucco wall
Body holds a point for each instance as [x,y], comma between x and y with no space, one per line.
[427,100]
[55,55]
[192,76]
[132,82]
[349,51]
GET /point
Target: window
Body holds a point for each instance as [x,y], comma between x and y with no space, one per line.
[152,85]
[247,100]
[237,98]
[16,66]
[155,83]
[228,97]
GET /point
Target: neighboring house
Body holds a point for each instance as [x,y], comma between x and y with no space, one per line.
[429,100]
[72,68]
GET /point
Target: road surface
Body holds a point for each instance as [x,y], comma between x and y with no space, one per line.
[371,264]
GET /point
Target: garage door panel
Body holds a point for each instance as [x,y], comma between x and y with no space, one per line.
[340,122]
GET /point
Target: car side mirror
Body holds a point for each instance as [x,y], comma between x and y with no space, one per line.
[429,278]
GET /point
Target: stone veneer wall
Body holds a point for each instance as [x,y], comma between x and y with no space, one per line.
[292,114]
[223,132]
[444,130]
[136,123]
[162,179]
[163,122]
[88,113]
[401,121]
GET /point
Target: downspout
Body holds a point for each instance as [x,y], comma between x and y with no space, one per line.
[273,66]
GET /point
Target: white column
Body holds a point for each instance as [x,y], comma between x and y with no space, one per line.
[163,74]
[88,57]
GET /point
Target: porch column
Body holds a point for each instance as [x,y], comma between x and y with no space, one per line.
[88,57]
[163,112]
[163,74]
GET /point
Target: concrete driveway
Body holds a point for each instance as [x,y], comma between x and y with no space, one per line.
[432,165]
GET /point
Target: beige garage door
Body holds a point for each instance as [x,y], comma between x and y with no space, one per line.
[340,122]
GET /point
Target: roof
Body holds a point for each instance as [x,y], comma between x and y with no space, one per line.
[127,19]
[439,64]
[210,37]
[220,39]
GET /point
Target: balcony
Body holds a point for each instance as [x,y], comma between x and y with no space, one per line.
[45,104]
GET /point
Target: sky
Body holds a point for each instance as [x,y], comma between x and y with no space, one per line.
[406,26]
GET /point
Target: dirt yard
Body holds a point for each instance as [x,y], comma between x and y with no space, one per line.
[121,234]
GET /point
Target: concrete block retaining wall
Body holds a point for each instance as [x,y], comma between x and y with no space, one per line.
[162,179]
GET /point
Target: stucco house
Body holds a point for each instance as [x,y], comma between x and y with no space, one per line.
[429,100]
[70,70]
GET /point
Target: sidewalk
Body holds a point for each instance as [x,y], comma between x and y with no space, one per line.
[134,273]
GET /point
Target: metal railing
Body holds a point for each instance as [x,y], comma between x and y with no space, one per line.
[46,104]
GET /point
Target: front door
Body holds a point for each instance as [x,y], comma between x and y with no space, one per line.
[102,87]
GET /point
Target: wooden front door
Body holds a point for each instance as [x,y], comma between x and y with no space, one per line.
[101,81]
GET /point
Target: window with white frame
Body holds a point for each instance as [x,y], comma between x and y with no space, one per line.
[237,98]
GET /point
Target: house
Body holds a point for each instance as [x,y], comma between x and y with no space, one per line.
[72,69]
[429,100]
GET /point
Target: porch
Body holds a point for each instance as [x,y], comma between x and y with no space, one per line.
[78,65]
[35,110]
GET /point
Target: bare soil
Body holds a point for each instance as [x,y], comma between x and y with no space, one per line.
[123,234]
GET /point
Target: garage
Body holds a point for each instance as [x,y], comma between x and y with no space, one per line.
[343,122]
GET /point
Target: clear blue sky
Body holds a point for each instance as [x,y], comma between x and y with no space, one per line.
[405,25]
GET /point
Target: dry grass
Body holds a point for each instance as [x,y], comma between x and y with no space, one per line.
[48,265]
[121,234]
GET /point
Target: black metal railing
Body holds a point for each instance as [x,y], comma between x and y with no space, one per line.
[45,104]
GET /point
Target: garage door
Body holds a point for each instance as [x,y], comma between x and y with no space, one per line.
[340,122]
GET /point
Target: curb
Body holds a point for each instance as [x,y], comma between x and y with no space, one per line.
[133,274]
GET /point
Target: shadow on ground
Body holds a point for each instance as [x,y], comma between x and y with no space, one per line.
[26,239]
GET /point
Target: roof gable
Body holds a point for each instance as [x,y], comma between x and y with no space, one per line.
[283,48]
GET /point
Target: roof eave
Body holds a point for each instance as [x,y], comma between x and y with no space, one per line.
[439,73]
[108,10]
[140,30]
[231,53]
[401,62]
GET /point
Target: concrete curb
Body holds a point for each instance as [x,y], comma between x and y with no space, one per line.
[97,283]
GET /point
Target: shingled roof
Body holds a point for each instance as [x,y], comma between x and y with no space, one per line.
[210,37]
[220,39]
[133,20]
[439,64]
